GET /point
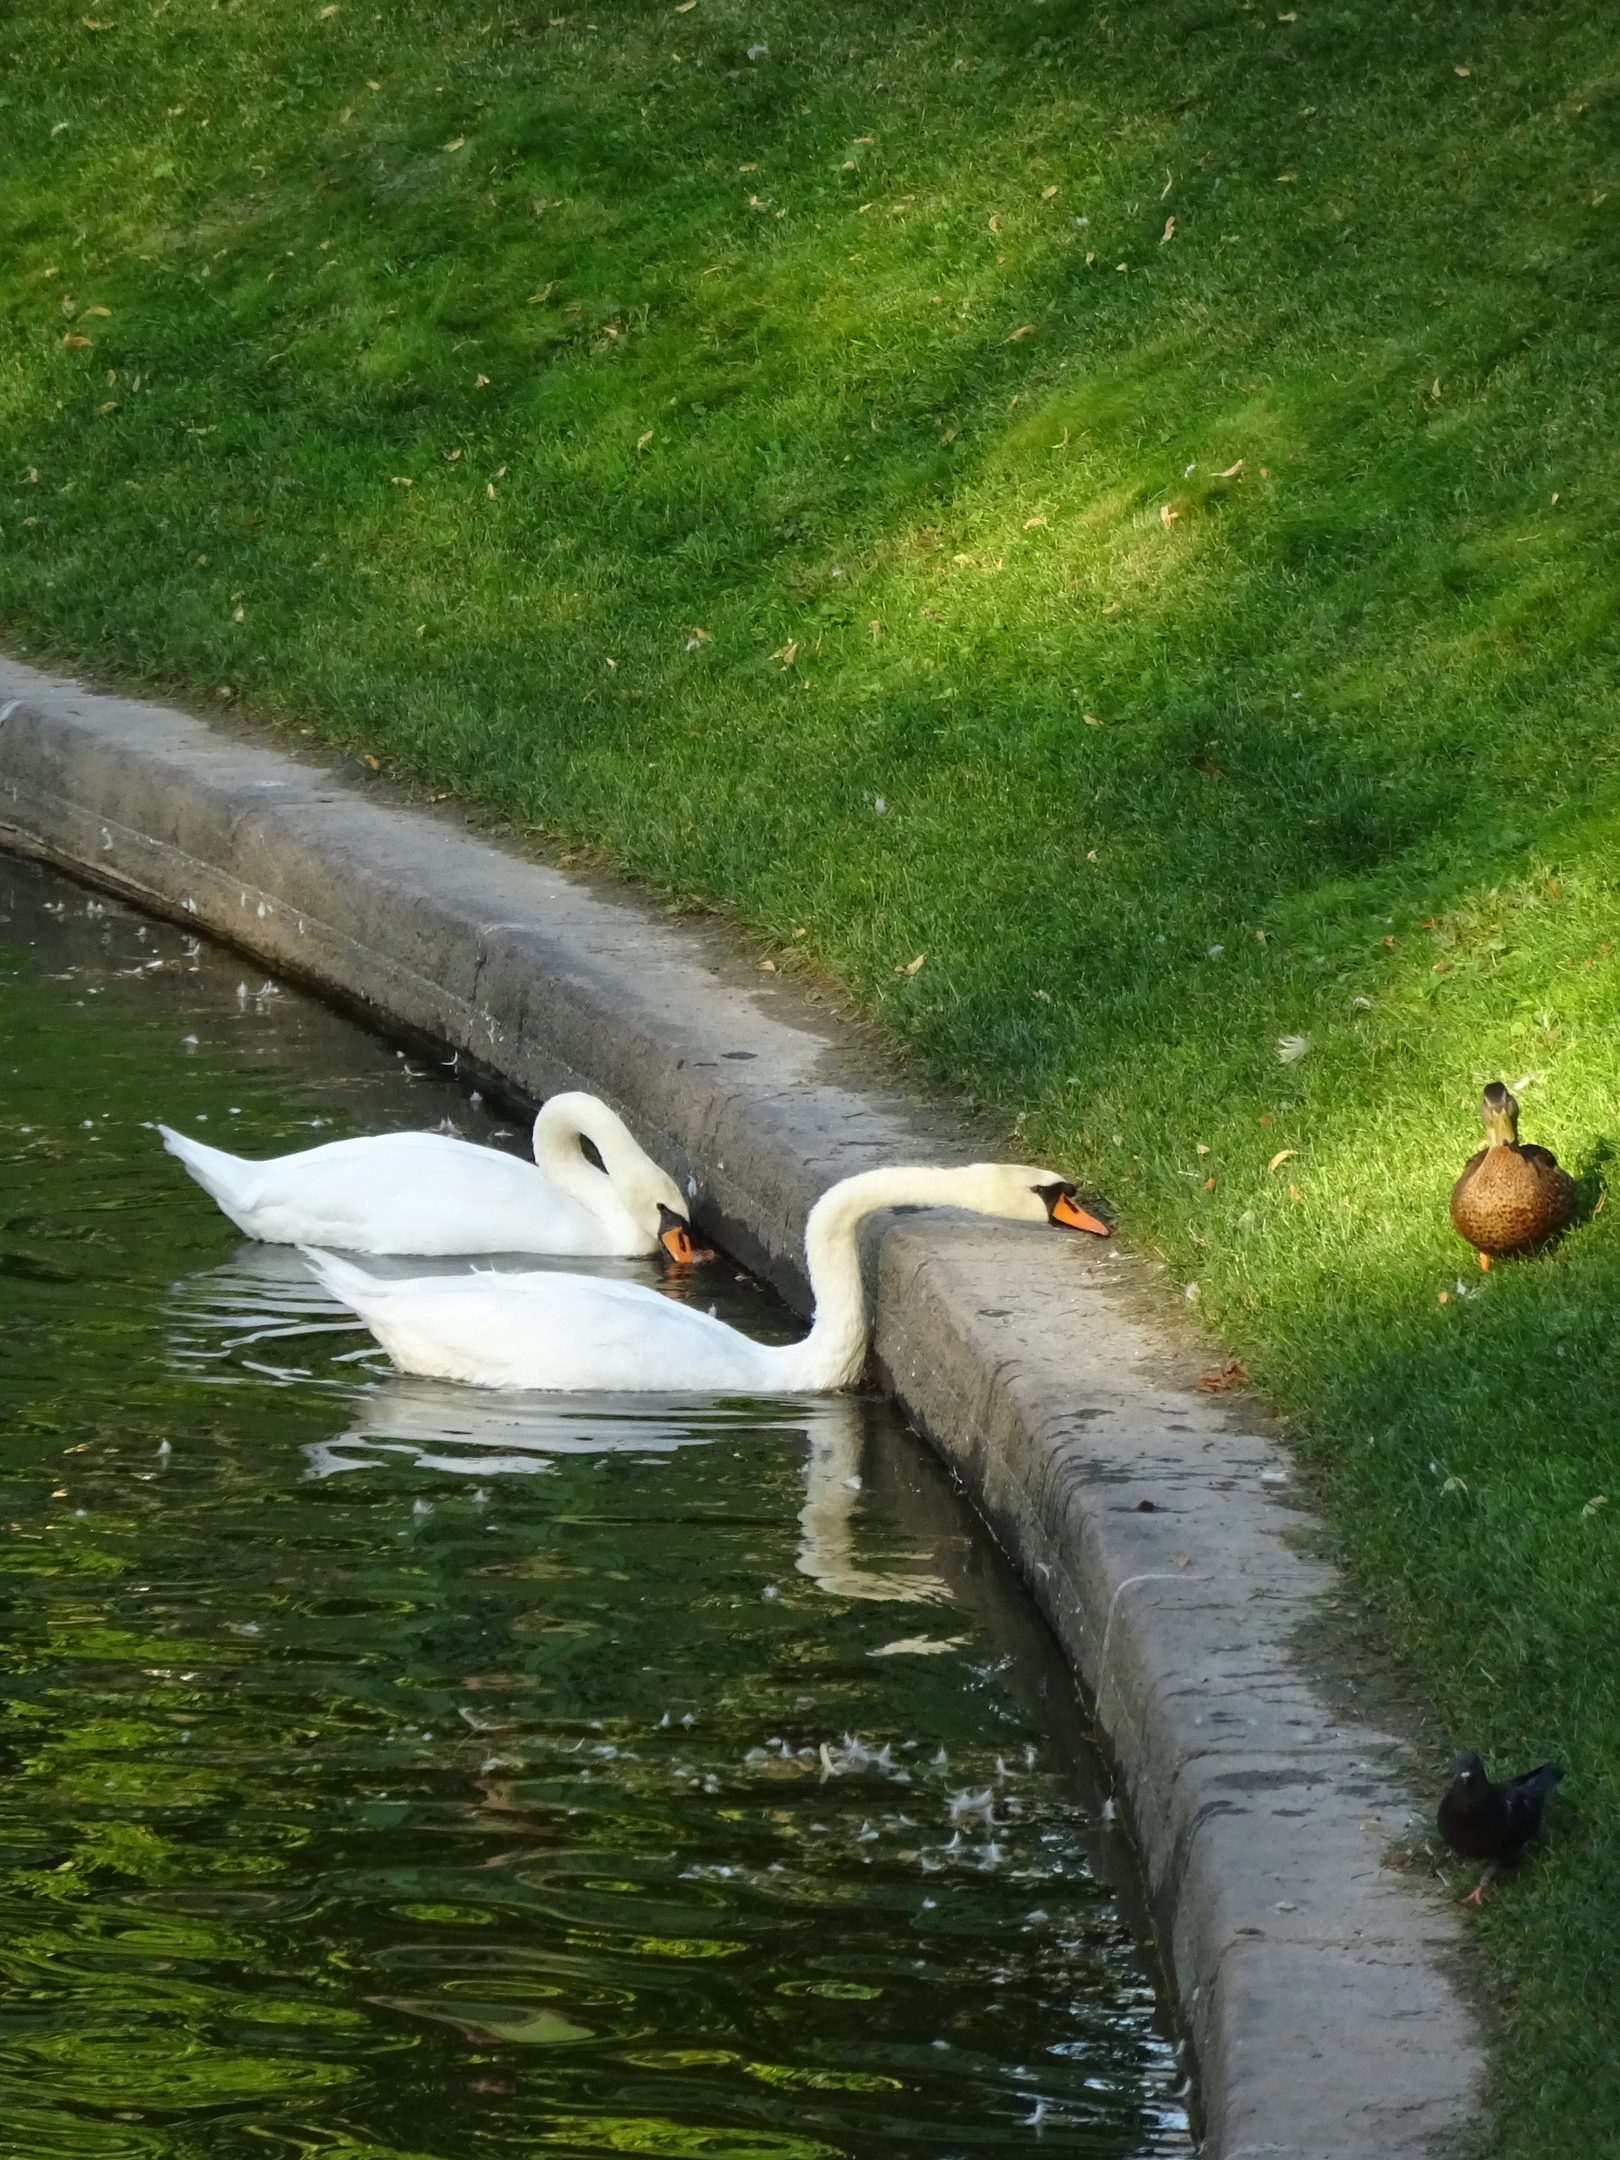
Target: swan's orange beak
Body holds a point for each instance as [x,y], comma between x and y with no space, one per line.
[676,1239]
[1066,1209]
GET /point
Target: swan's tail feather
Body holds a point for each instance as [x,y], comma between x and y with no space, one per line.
[223,1177]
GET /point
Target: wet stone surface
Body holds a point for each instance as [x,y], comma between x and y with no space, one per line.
[393,1770]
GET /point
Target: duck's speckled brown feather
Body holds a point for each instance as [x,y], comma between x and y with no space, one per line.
[1512,1199]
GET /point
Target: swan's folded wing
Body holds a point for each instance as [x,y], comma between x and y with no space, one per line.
[572,1332]
[425,1193]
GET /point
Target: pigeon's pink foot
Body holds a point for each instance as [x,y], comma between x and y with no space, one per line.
[1476,1896]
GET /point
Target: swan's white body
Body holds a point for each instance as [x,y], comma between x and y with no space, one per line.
[577,1332]
[431,1194]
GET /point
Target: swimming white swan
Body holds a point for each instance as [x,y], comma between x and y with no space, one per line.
[577,1331]
[428,1193]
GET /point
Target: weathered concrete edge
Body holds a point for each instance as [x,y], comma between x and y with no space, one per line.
[1313,1981]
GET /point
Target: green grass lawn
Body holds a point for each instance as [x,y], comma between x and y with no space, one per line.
[1118,501]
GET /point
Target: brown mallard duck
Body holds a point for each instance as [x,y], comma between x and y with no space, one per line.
[1510,1199]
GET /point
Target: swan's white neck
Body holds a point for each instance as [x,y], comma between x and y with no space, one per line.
[563,1122]
[833,1354]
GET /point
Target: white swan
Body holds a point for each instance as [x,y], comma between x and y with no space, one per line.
[428,1193]
[578,1332]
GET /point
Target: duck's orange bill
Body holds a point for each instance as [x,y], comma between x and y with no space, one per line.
[1067,1210]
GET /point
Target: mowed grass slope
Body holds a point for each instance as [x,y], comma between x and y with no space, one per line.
[1117,501]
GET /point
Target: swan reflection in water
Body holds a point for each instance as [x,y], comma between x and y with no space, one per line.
[436,1426]
[260,1317]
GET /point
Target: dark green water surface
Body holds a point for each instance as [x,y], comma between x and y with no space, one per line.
[392,1770]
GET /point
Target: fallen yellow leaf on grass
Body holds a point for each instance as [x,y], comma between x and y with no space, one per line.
[1461,71]
[458,142]
[1047,193]
[1167,516]
[1282,1155]
[480,382]
[787,653]
[322,14]
[1294,1193]
[995,222]
[643,440]
[400,481]
[1231,471]
[1291,16]
[89,25]
[1282,176]
[700,636]
[912,966]
[75,342]
[1597,1501]
[1110,607]
[1091,719]
[1026,330]
[1031,522]
[685,7]
[1169,232]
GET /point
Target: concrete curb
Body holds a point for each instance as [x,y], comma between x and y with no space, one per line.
[1312,1980]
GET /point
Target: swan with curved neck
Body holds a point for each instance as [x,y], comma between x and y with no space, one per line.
[577,1332]
[431,1194]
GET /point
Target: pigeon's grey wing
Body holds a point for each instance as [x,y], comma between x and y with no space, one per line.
[1527,1797]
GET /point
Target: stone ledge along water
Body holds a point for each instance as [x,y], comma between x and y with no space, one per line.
[1313,1980]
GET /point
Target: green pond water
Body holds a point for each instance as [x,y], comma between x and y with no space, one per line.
[388,1769]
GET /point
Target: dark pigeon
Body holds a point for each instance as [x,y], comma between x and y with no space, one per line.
[1482,1821]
